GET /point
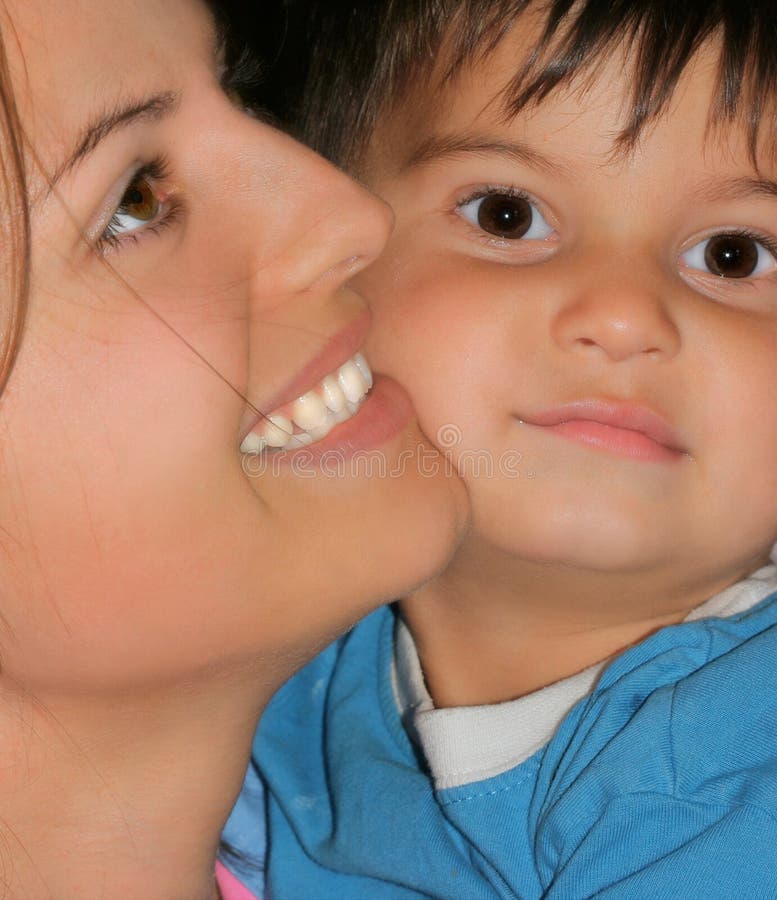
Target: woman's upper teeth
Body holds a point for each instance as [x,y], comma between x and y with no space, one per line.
[312,416]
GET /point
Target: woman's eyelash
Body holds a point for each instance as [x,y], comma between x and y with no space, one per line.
[156,171]
[242,74]
[113,240]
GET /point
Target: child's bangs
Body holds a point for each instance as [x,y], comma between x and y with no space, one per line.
[390,50]
[660,39]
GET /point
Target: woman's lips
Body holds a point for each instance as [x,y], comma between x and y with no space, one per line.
[341,347]
[334,400]
[331,406]
[384,414]
[635,432]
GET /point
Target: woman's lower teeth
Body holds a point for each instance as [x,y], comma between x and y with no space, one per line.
[311,417]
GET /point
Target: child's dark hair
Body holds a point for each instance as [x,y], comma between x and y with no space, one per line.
[362,56]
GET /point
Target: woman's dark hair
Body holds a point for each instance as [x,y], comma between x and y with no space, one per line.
[347,62]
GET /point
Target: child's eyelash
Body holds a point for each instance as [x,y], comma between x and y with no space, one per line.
[490,189]
[768,243]
[515,224]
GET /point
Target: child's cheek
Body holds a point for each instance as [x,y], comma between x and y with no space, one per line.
[430,326]
[420,325]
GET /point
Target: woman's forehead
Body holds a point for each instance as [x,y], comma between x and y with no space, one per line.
[70,60]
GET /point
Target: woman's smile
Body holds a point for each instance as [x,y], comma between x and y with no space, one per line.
[335,399]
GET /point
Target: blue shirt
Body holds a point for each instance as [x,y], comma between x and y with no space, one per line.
[661,783]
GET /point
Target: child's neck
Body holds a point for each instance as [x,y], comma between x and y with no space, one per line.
[493,627]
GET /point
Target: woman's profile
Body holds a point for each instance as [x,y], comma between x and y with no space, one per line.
[174,272]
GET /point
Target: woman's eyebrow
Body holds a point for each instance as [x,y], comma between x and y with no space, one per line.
[149,109]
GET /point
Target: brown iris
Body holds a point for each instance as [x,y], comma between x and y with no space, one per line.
[731,255]
[139,201]
[505,216]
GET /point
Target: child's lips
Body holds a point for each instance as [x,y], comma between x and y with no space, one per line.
[622,428]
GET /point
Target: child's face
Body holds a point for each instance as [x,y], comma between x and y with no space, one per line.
[593,336]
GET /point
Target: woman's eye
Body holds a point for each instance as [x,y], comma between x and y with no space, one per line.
[145,208]
[139,206]
[730,256]
[508,216]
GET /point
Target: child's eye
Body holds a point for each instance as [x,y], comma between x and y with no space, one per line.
[507,215]
[735,254]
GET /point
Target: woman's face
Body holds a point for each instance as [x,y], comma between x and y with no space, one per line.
[137,542]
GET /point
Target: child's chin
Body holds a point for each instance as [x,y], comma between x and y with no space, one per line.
[570,542]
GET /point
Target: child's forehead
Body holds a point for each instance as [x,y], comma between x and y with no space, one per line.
[584,117]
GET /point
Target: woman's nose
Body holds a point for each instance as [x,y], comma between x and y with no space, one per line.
[617,313]
[328,227]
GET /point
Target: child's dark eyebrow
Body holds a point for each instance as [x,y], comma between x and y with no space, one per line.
[441,146]
[739,188]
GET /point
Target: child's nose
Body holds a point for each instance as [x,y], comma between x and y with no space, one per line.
[617,313]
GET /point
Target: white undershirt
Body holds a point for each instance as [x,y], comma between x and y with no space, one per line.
[470,743]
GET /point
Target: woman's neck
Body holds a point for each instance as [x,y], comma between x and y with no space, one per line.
[122,796]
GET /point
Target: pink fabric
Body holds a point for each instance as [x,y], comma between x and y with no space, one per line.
[230,887]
